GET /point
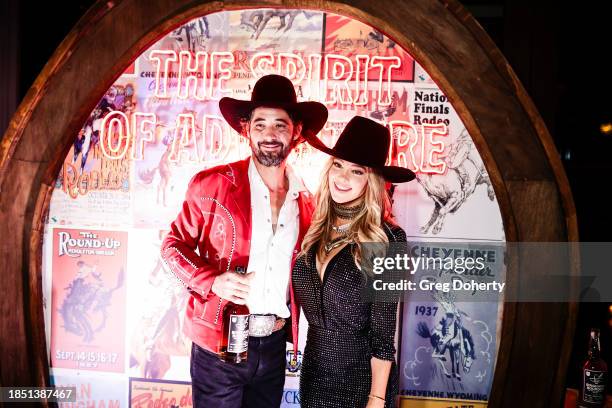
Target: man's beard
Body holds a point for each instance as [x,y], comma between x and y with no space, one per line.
[271,159]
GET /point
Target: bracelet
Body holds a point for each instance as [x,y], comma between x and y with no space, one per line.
[377,397]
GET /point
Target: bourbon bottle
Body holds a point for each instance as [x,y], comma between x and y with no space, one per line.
[235,330]
[594,376]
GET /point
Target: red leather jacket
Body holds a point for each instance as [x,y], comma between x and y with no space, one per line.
[216,220]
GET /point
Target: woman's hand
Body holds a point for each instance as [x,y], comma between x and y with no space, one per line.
[375,403]
[380,376]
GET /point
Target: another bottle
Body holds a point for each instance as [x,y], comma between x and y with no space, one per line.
[235,329]
[594,376]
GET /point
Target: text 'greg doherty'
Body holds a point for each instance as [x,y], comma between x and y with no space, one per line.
[428,285]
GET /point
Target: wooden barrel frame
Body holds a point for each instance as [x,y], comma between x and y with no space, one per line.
[442,36]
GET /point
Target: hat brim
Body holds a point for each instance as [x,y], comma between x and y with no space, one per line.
[312,115]
[392,174]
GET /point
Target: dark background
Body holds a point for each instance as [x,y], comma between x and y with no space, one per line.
[559,50]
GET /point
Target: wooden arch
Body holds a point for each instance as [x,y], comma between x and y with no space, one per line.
[511,138]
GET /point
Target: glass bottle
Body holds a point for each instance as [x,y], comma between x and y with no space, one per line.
[235,330]
[594,376]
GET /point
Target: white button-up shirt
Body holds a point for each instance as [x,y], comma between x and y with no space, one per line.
[271,252]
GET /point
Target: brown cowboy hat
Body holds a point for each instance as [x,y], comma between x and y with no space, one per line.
[275,91]
[366,142]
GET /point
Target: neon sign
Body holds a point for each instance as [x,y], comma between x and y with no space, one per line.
[418,148]
[331,78]
[339,81]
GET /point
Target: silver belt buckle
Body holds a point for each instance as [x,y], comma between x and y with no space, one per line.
[261,325]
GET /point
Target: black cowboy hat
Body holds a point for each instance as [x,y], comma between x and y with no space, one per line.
[278,92]
[366,142]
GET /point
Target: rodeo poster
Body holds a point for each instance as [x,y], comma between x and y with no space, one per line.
[450,336]
[93,188]
[88,299]
[157,393]
[106,392]
[157,346]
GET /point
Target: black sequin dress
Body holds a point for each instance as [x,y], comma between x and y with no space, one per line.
[344,332]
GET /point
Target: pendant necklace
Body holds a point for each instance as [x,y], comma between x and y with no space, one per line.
[335,243]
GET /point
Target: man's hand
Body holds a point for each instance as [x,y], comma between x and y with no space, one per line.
[233,286]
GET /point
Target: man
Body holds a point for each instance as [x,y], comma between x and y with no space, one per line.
[249,216]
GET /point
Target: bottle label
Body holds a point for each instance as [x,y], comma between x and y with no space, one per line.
[594,386]
[238,335]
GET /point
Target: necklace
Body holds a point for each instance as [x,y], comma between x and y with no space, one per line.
[343,212]
[334,243]
[341,229]
[347,213]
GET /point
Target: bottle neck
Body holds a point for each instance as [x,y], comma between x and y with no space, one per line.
[594,347]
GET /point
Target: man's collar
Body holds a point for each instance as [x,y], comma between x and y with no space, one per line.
[296,185]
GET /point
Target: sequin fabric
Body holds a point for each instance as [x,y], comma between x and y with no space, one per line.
[344,332]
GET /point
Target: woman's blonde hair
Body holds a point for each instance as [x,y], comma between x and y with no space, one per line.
[367,225]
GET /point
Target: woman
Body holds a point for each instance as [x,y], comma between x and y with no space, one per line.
[349,358]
